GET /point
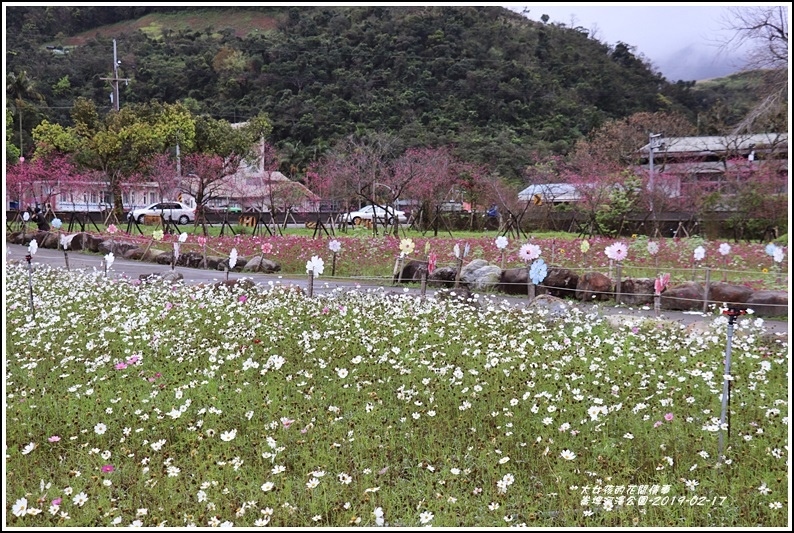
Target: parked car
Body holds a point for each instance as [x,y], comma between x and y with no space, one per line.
[225,209]
[385,215]
[172,211]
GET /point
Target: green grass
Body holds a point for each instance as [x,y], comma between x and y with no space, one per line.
[417,403]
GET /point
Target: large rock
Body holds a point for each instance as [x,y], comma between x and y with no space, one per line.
[191,259]
[479,274]
[685,297]
[460,293]
[637,291]
[118,247]
[441,277]
[410,272]
[513,281]
[768,303]
[559,282]
[223,264]
[550,306]
[171,277]
[726,293]
[594,286]
[260,264]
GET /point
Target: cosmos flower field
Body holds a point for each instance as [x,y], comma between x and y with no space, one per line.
[133,404]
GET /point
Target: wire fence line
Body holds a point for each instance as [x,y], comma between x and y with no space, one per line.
[693,274]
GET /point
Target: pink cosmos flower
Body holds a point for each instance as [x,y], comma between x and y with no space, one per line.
[657,423]
[617,251]
[121,366]
[57,501]
[54,438]
[286,422]
[668,417]
[267,248]
[132,360]
[529,252]
[242,298]
[107,468]
[168,306]
[112,228]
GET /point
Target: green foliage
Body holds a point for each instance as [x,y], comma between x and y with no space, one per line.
[484,79]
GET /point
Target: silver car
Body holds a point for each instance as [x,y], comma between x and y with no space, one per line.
[385,215]
[171,211]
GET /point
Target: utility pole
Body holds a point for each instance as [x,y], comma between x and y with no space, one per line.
[654,141]
[114,96]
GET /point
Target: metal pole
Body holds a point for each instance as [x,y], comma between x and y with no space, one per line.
[732,313]
[28,257]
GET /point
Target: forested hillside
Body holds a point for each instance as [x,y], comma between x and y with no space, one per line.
[497,86]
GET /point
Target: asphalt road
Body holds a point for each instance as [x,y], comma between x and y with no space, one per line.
[134,269]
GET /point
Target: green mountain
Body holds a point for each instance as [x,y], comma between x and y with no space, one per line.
[497,86]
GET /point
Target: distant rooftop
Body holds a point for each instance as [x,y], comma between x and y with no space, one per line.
[719,143]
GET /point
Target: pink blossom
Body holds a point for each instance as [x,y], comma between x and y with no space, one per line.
[242,298]
[132,360]
[617,251]
[168,306]
[57,501]
[668,417]
[112,228]
[657,423]
[108,468]
[325,310]
[267,248]
[529,252]
[286,422]
[121,366]
[54,438]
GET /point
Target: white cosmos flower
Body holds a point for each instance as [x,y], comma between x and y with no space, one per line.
[29,448]
[335,246]
[100,428]
[501,242]
[725,248]
[183,237]
[229,435]
[33,247]
[20,508]
[232,258]
[568,455]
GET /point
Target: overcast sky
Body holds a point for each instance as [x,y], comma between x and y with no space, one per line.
[681,41]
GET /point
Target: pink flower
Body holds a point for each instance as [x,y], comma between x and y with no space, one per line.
[57,501]
[242,298]
[54,438]
[121,366]
[112,228]
[529,252]
[132,360]
[286,422]
[267,248]
[107,468]
[158,375]
[657,423]
[168,306]
[668,417]
[617,251]
[325,310]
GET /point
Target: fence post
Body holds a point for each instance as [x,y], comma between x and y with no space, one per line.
[706,290]
[311,283]
[618,283]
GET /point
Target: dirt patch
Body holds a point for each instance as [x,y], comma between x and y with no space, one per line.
[242,21]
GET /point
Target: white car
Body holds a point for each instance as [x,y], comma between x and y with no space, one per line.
[385,215]
[171,211]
